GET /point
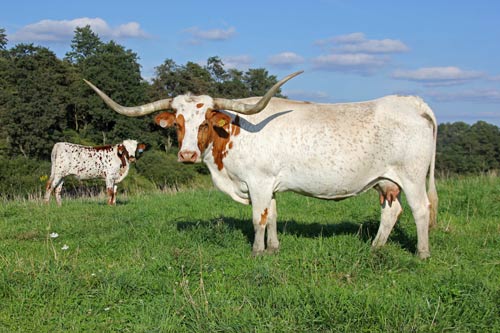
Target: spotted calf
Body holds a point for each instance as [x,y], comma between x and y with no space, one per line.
[110,163]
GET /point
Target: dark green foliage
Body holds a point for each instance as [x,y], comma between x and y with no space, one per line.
[464,148]
[163,169]
[21,177]
[33,104]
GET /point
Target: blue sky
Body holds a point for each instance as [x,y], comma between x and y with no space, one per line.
[447,52]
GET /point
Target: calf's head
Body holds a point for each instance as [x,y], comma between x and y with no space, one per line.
[130,149]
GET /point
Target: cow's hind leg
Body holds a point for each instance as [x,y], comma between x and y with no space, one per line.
[419,204]
[54,184]
[390,201]
[48,189]
[57,191]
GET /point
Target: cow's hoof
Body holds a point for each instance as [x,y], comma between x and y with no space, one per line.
[257,253]
[272,250]
[424,254]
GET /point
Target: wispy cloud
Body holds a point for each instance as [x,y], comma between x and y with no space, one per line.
[358,43]
[63,30]
[360,63]
[198,35]
[438,76]
[355,53]
[241,62]
[285,60]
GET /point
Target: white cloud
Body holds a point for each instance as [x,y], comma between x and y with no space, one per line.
[199,35]
[63,30]
[241,62]
[358,43]
[285,60]
[360,63]
[438,76]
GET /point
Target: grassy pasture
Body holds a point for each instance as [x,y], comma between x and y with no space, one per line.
[181,262]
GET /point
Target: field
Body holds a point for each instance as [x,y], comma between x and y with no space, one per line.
[181,262]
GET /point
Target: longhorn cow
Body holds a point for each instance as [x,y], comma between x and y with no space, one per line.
[258,146]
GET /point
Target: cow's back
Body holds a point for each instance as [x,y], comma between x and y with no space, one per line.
[307,147]
[82,161]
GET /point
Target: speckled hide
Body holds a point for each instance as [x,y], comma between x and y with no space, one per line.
[110,163]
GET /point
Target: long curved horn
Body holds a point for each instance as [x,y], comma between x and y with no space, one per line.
[132,111]
[236,106]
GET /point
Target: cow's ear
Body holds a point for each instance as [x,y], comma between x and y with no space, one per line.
[165,119]
[141,147]
[218,119]
[120,150]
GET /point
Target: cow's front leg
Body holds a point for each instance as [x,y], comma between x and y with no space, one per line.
[57,192]
[273,243]
[115,188]
[110,189]
[261,215]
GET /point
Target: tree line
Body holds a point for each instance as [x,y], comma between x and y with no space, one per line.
[43,100]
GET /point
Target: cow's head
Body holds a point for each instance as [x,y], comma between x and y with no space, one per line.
[197,118]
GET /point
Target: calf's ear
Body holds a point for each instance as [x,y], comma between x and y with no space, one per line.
[120,150]
[165,119]
[141,147]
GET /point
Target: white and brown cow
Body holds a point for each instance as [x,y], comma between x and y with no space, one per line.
[255,147]
[110,163]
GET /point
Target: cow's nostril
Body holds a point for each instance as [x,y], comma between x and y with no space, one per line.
[188,156]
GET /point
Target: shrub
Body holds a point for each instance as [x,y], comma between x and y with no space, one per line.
[163,169]
[21,176]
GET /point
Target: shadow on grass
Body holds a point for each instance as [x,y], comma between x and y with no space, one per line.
[365,230]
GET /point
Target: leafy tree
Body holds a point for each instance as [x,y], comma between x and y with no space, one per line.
[3,39]
[258,82]
[463,148]
[84,44]
[33,105]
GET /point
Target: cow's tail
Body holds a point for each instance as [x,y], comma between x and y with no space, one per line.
[432,192]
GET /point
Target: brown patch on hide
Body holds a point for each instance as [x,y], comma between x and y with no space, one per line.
[181,129]
[218,130]
[123,155]
[263,218]
[103,147]
[199,105]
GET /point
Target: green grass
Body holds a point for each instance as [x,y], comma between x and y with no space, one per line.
[181,262]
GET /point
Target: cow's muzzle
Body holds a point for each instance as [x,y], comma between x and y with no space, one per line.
[187,156]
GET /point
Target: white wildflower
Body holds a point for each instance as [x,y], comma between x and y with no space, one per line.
[54,235]
[64,247]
